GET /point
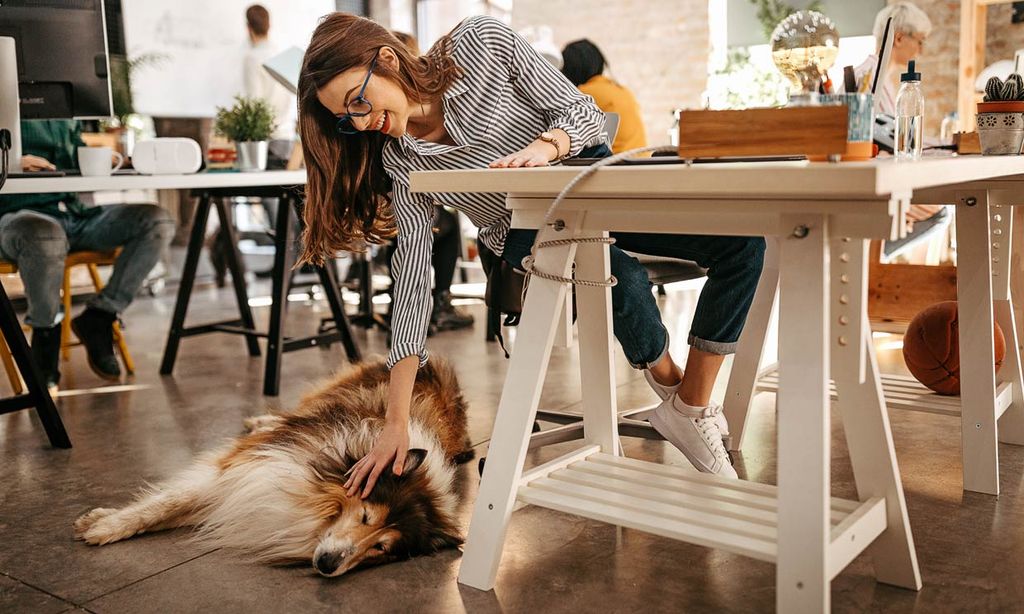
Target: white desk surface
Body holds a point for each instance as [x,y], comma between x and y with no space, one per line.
[804,180]
[219,179]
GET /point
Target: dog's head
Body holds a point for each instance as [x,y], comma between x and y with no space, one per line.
[402,517]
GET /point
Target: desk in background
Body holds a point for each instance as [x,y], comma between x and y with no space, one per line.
[212,188]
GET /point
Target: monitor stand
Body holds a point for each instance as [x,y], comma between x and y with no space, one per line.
[10,117]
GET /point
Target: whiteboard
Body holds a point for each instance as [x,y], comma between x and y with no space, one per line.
[203,44]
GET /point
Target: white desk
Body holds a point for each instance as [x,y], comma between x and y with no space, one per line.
[37,185]
[822,216]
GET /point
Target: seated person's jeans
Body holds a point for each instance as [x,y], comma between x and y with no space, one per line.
[734,267]
[38,243]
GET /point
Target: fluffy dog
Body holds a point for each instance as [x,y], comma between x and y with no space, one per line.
[277,493]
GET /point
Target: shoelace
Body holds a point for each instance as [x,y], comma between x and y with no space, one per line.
[711,432]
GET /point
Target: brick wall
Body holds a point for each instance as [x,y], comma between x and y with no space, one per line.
[657,48]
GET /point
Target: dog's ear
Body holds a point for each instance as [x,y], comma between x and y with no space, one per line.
[444,539]
[413,459]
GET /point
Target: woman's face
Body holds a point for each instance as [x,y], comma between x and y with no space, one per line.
[391,108]
[906,47]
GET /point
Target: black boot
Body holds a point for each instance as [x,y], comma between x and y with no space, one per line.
[94,328]
[46,354]
[445,316]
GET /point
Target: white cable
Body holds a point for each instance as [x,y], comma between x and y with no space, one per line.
[528,262]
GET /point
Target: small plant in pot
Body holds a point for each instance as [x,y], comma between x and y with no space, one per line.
[1001,116]
[249,123]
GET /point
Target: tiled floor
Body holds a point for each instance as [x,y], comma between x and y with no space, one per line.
[970,546]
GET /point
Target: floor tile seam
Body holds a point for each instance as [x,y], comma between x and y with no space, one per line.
[40,589]
[144,578]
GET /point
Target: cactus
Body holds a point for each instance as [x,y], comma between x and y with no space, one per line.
[997,90]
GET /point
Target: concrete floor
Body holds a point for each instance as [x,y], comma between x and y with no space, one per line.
[970,546]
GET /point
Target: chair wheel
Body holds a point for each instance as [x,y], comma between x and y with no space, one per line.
[480,465]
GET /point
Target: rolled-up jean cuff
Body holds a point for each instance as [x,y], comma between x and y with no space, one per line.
[711,347]
[664,351]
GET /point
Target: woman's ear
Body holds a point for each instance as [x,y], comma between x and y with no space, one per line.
[388,57]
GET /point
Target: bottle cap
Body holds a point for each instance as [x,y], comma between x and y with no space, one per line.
[910,75]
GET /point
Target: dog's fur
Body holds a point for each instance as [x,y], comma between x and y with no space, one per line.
[277,492]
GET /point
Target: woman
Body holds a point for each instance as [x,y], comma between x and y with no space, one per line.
[583,64]
[371,112]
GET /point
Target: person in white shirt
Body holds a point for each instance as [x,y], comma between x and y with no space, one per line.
[257,82]
[910,28]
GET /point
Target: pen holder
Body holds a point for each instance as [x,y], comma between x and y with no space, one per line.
[859,124]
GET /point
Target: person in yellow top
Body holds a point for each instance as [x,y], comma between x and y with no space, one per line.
[583,64]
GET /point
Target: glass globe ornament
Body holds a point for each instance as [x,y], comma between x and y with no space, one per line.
[804,47]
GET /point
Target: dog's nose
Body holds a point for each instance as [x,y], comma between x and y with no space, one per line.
[327,562]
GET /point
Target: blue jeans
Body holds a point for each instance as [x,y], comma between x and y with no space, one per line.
[734,267]
[39,243]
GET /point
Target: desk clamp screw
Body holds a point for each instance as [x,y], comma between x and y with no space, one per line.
[801,231]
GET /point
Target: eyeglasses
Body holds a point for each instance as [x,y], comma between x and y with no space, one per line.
[357,107]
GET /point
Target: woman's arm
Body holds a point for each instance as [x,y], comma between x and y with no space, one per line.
[393,442]
[410,317]
[568,110]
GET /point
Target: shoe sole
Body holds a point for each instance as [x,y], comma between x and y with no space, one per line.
[662,429]
[88,359]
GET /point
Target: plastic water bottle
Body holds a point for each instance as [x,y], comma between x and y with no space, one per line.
[909,115]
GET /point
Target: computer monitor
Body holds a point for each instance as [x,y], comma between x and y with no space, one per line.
[61,49]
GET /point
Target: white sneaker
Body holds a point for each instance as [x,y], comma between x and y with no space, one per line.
[667,392]
[694,430]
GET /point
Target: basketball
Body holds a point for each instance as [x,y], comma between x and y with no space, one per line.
[931,348]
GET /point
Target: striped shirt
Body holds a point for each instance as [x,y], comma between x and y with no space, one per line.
[506,97]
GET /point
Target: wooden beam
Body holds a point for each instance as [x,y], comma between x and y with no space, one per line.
[973,15]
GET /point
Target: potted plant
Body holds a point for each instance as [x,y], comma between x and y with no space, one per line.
[249,123]
[1001,116]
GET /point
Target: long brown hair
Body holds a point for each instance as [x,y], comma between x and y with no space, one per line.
[347,190]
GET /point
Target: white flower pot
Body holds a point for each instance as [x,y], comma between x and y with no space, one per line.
[1001,134]
[251,156]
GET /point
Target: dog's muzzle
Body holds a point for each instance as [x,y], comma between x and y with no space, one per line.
[328,562]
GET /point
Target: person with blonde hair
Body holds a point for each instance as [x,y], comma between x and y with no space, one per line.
[910,28]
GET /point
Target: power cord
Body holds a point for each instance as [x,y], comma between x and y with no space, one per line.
[549,220]
[5,149]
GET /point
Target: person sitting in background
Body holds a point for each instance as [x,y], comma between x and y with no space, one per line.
[910,28]
[38,230]
[583,64]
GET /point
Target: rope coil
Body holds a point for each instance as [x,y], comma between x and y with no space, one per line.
[528,262]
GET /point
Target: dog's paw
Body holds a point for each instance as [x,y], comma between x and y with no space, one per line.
[265,422]
[88,519]
[107,529]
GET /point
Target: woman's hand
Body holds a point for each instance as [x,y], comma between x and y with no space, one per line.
[389,452]
[537,153]
[35,163]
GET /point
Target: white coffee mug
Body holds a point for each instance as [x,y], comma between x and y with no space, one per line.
[96,161]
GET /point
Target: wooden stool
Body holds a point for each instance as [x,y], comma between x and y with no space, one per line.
[92,260]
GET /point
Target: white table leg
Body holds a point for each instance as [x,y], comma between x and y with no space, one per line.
[597,347]
[802,577]
[516,411]
[1011,424]
[865,419]
[977,376]
[746,364]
